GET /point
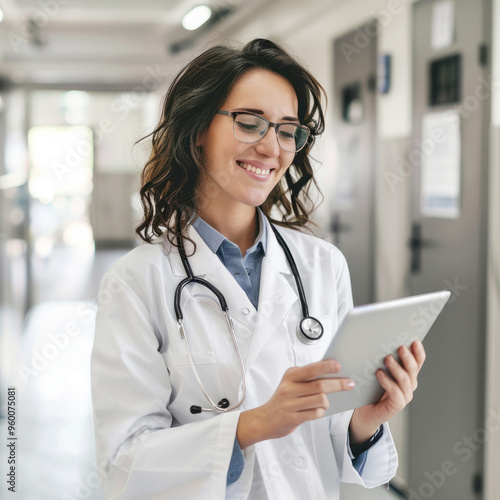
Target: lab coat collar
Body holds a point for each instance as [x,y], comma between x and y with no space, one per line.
[276,295]
[204,260]
[214,239]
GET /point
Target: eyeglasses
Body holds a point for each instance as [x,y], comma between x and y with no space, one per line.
[249,128]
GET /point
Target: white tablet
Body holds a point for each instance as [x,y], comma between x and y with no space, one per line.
[368,334]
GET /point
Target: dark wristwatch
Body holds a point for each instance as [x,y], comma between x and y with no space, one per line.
[366,445]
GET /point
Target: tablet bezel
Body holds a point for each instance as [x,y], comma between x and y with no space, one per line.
[368,334]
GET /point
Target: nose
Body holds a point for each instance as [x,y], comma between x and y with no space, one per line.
[268,145]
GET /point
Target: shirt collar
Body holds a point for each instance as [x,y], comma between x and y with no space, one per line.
[214,239]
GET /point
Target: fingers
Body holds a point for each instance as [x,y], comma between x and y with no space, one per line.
[324,386]
[413,360]
[395,399]
[313,401]
[304,380]
[302,396]
[419,353]
[404,374]
[313,414]
[410,364]
[313,370]
[402,377]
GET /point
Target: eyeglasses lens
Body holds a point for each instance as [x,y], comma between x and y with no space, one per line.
[251,128]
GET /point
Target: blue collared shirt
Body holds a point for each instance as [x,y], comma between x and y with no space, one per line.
[246,271]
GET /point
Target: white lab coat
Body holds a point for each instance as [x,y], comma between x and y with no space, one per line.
[149,445]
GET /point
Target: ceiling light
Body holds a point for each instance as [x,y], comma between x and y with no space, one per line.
[196,17]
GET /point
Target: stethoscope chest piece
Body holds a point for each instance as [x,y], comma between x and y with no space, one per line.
[309,330]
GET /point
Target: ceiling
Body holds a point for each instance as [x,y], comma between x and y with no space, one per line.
[117,43]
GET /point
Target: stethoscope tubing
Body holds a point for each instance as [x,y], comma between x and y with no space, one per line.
[303,336]
[295,272]
[215,407]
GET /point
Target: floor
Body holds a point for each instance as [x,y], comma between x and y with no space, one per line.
[55,449]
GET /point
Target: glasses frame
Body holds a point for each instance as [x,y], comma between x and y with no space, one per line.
[276,126]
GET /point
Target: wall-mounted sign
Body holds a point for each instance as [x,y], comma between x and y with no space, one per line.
[443,24]
[441,165]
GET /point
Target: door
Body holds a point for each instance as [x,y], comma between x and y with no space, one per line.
[448,169]
[352,222]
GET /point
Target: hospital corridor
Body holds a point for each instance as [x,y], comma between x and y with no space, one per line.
[399,169]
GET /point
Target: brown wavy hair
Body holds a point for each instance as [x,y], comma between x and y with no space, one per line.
[171,180]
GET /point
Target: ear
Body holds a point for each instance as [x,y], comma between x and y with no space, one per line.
[201,139]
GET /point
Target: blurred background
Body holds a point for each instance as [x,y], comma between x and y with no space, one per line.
[409,167]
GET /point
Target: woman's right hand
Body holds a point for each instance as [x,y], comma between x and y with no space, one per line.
[300,397]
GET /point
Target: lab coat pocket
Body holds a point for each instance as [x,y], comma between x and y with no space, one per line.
[185,388]
[214,358]
[199,358]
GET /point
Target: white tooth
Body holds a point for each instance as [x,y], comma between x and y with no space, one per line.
[253,169]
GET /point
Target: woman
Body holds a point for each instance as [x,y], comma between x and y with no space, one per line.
[230,157]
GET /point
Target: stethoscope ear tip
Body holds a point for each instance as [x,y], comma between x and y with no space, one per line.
[222,404]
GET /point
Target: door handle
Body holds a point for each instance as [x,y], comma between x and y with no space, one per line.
[336,227]
[416,243]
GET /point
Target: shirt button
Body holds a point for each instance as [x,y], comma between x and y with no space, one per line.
[245,311]
[299,461]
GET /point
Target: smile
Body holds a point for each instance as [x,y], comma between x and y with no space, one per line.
[254,170]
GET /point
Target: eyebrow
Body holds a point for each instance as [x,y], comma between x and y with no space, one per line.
[260,112]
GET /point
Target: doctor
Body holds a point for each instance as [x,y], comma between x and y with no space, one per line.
[191,403]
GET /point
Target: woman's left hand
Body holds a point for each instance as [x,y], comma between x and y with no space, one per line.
[399,388]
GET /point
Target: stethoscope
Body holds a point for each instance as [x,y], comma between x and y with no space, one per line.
[309,330]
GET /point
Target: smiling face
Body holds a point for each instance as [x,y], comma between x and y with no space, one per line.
[229,184]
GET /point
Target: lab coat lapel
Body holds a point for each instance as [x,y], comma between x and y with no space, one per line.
[208,266]
[276,296]
[200,262]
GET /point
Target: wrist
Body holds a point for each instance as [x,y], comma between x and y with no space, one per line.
[250,428]
[361,429]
